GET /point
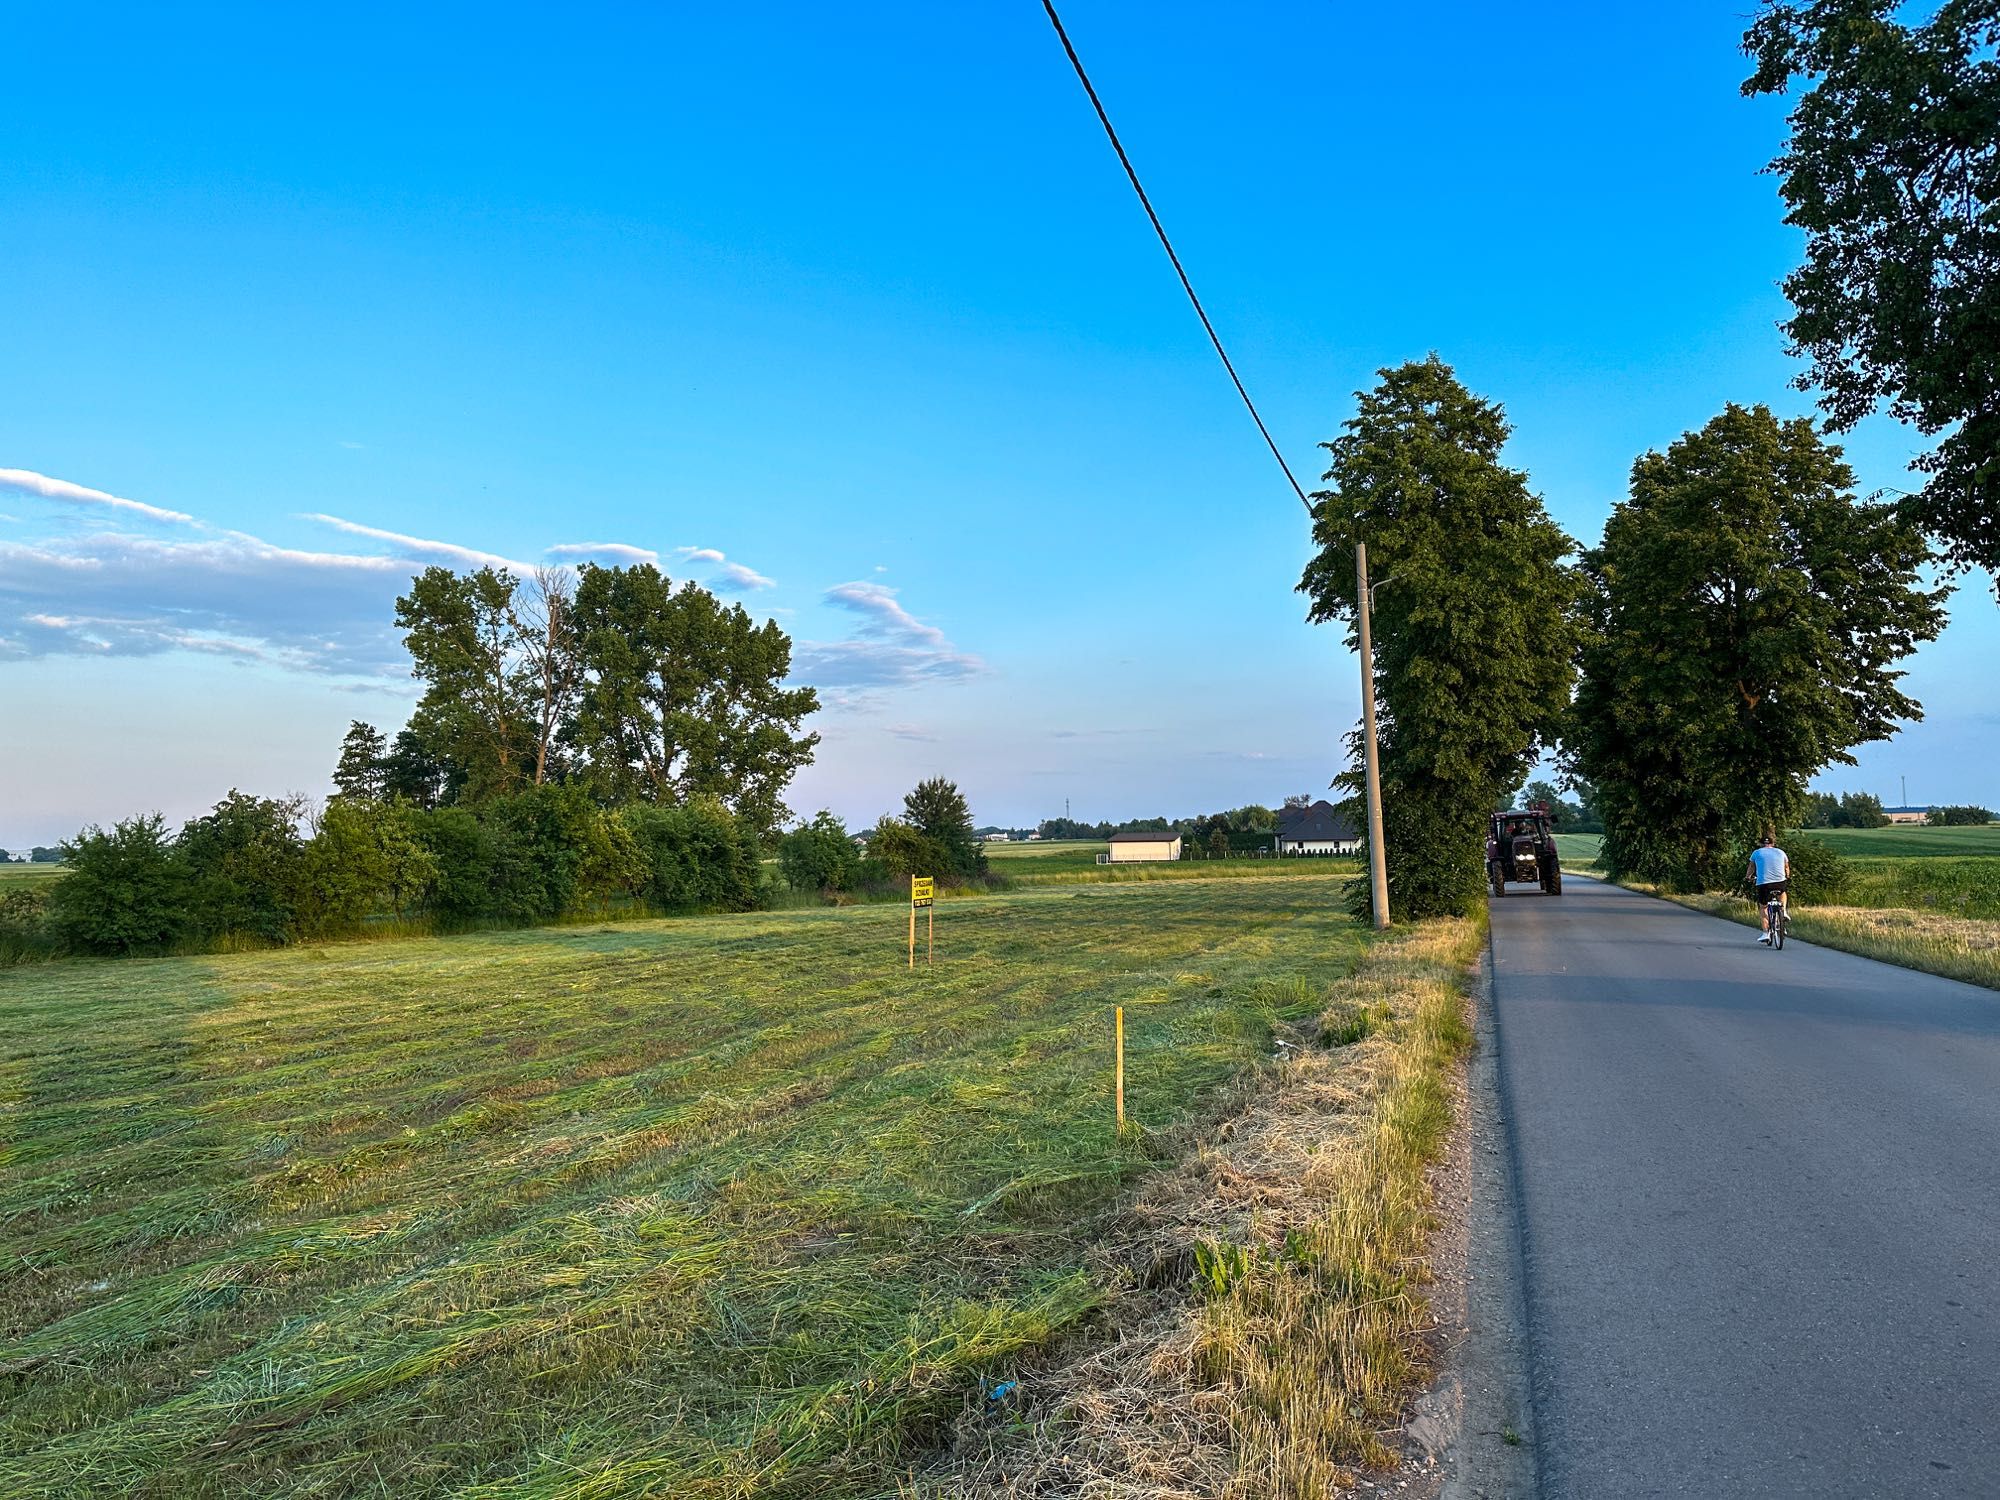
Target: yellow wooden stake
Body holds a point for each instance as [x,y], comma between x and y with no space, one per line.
[913,937]
[1119,1013]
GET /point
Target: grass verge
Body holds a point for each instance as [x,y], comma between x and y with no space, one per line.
[1270,1323]
[1954,947]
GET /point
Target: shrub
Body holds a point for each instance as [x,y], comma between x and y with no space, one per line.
[694,857]
[364,858]
[24,922]
[540,845]
[243,867]
[903,851]
[125,891]
[819,856]
[1819,874]
[461,853]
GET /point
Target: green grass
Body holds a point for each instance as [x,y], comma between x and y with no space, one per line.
[1911,841]
[26,874]
[698,1208]
[1044,849]
[1578,851]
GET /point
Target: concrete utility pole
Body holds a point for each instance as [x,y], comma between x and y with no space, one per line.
[1378,865]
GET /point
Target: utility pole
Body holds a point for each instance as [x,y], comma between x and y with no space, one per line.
[1906,791]
[1378,866]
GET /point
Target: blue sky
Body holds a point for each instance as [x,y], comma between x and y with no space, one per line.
[849,314]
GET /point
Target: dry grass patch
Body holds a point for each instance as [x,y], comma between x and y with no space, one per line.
[1268,1323]
[1964,948]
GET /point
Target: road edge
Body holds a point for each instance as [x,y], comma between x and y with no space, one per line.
[1486,1386]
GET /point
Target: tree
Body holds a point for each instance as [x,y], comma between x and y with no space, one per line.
[416,770]
[1893,172]
[1252,817]
[937,810]
[125,891]
[818,856]
[1473,625]
[465,642]
[42,855]
[904,850]
[363,768]
[1961,816]
[1746,617]
[550,674]
[683,697]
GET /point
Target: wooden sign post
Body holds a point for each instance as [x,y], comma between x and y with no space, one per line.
[923,892]
[1118,1013]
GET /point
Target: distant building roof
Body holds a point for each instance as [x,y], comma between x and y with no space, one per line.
[1319,823]
[1144,836]
[1924,809]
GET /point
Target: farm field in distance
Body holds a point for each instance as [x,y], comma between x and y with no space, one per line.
[687,1207]
[1910,841]
[24,874]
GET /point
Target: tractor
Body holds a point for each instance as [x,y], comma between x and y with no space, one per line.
[1521,847]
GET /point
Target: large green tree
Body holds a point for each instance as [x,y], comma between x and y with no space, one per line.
[684,697]
[1747,617]
[465,640]
[1893,172]
[937,809]
[1473,621]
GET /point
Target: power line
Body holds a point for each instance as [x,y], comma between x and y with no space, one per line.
[1186,285]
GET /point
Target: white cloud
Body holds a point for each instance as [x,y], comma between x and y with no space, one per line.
[738,576]
[877,664]
[623,552]
[730,575]
[892,646]
[910,732]
[27,482]
[470,556]
[876,603]
[119,594]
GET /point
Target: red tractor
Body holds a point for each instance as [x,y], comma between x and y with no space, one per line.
[1521,847]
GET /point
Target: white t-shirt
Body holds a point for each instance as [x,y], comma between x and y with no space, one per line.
[1770,864]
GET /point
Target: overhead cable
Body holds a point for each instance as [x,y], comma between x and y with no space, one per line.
[1186,285]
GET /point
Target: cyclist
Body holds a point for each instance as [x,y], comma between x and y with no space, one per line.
[1770,870]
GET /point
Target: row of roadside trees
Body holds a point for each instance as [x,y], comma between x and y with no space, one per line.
[1737,629]
[1740,624]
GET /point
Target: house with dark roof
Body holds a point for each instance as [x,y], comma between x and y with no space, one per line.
[1318,828]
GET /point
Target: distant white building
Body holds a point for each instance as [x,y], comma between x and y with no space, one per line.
[1319,828]
[999,838]
[1143,844]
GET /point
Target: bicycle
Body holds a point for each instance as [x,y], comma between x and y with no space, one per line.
[1774,920]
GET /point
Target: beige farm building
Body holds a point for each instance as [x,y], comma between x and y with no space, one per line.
[1127,848]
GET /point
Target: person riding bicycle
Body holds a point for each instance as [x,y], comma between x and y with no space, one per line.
[1770,871]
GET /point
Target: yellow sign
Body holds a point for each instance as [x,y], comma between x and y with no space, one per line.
[923,890]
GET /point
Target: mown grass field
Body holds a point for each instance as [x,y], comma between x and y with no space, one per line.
[24,874]
[697,1208]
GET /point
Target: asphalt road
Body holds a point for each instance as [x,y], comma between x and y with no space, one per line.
[1759,1203]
